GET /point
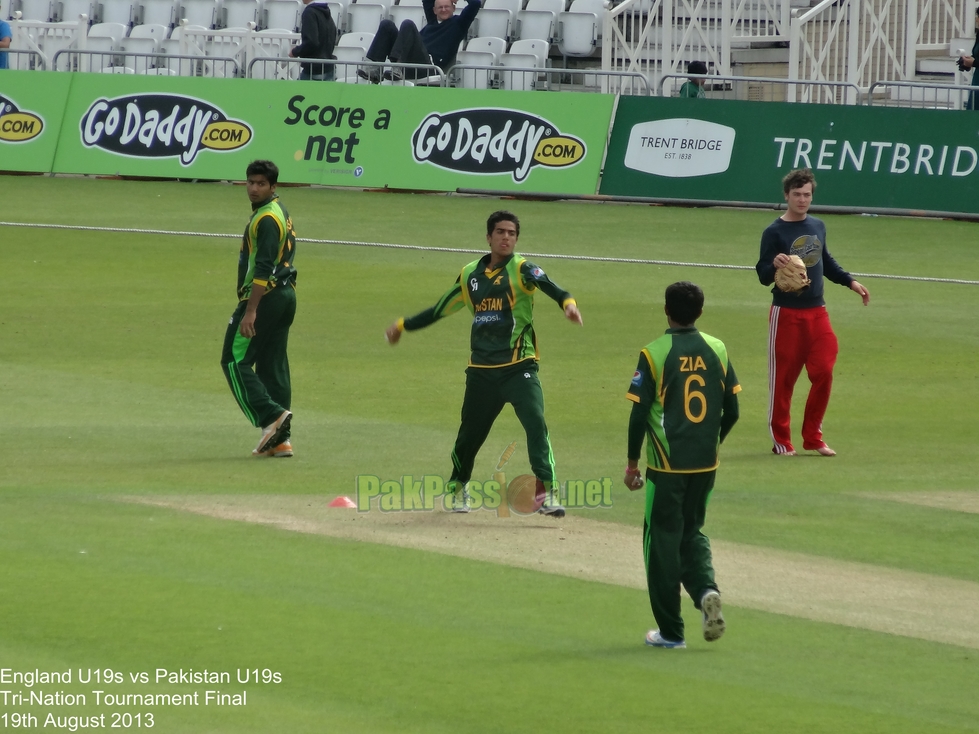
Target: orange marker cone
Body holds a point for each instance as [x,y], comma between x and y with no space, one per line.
[342,501]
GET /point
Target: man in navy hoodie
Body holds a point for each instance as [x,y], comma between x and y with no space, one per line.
[319,36]
[436,43]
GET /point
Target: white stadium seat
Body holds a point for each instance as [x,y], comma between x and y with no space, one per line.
[283,14]
[482,51]
[161,12]
[539,19]
[525,53]
[580,28]
[364,16]
[408,10]
[497,19]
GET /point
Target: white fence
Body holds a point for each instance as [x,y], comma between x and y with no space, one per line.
[855,42]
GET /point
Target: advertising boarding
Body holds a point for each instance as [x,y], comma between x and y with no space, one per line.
[334,134]
[738,151]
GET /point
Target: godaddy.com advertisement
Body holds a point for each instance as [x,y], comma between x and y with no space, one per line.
[333,134]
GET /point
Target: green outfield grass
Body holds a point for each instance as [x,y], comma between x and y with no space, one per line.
[111,387]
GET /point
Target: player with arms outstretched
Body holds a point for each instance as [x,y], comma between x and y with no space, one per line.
[498,289]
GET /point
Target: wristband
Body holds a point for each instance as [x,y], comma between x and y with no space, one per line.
[632,471]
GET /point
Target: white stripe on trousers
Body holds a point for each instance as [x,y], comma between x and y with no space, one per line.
[772,331]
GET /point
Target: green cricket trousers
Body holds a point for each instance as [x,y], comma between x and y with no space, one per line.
[675,549]
[487,391]
[258,368]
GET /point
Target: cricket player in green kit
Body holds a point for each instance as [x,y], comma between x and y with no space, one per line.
[498,289]
[684,395]
[254,357]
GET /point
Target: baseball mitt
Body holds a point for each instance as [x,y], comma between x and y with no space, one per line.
[792,277]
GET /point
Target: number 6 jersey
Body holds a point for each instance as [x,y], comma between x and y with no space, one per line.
[686,382]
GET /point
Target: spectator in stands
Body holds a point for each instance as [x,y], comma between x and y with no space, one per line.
[436,43]
[694,87]
[969,62]
[319,36]
[5,36]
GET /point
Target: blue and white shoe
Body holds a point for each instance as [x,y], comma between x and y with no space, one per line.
[457,501]
[655,639]
[710,606]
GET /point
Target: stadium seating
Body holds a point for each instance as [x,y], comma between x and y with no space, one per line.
[408,10]
[39,10]
[157,12]
[115,11]
[67,11]
[338,9]
[238,13]
[525,53]
[101,45]
[363,16]
[198,12]
[143,40]
[482,51]
[539,19]
[350,51]
[178,46]
[579,29]
[497,19]
[283,14]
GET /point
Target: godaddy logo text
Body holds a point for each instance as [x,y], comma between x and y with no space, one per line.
[489,141]
[160,126]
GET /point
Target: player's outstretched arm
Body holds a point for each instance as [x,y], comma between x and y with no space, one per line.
[861,291]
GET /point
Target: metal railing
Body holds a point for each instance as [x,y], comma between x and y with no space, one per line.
[525,78]
[117,62]
[24,60]
[921,95]
[769,89]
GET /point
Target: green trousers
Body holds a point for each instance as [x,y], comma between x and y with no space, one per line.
[675,549]
[258,368]
[487,391]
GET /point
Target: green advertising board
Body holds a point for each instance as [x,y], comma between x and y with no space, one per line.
[336,134]
[30,119]
[739,151]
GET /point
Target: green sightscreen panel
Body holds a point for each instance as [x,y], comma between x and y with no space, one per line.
[335,134]
[738,151]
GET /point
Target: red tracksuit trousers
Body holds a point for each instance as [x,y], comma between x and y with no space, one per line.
[797,338]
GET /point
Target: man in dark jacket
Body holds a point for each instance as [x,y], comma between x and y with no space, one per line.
[319,36]
[436,43]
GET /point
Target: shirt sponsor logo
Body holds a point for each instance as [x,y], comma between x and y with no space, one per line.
[487,318]
[680,148]
[537,272]
[17,125]
[637,378]
[491,141]
[161,126]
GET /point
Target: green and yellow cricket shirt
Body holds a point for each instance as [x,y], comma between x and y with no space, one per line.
[686,387]
[501,302]
[268,249]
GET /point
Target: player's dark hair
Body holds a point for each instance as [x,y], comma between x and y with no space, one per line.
[501,216]
[797,179]
[684,302]
[264,168]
